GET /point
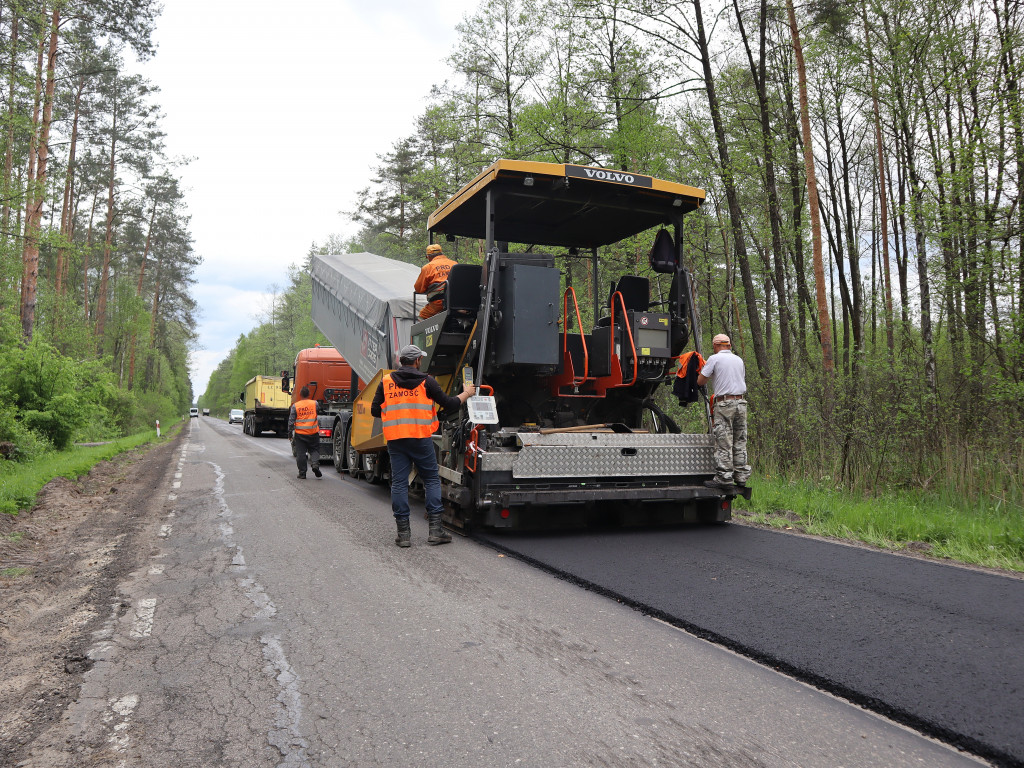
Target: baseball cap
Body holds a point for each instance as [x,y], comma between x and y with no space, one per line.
[411,352]
[721,339]
[433,249]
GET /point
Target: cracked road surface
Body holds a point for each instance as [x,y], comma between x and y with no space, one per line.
[270,621]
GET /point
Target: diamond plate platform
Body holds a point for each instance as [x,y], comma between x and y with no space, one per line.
[592,454]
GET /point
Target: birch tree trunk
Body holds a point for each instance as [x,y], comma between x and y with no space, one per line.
[771,187]
[824,321]
[853,252]
[1004,25]
[735,214]
[883,200]
[805,302]
[834,232]
[946,227]
[917,214]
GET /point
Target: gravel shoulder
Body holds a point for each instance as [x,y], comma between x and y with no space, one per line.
[67,556]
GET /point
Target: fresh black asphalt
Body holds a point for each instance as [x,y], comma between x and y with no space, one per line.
[935,646]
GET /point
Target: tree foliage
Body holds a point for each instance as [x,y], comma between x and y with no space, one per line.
[913,121]
[96,258]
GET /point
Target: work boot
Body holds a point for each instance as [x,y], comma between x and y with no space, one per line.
[404,537]
[317,472]
[436,533]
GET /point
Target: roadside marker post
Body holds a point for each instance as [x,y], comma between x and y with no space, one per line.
[158,428]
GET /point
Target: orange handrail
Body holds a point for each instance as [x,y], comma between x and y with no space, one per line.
[629,331]
[471,447]
[576,380]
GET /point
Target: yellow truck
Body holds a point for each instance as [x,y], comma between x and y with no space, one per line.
[266,406]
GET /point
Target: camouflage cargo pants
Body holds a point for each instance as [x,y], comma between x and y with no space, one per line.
[730,432]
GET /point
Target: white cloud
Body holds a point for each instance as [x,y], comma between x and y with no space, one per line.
[284,108]
[227,312]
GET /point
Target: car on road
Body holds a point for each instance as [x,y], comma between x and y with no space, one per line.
[206,411]
[193,413]
[237,416]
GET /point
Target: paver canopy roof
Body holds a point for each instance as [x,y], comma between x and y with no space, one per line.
[562,205]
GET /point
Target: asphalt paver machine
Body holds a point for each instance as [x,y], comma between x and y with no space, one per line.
[566,429]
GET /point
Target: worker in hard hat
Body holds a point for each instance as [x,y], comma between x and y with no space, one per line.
[729,424]
[432,278]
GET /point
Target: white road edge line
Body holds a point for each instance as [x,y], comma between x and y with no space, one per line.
[145,612]
[286,733]
[121,708]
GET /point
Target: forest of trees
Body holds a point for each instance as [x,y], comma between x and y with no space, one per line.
[863,239]
[96,258]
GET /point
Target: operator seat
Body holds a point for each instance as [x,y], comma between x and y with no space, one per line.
[636,295]
[636,292]
[462,291]
[460,304]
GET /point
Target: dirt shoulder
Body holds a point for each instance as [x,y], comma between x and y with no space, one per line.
[69,554]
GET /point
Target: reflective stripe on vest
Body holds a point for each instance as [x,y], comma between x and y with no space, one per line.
[305,417]
[406,412]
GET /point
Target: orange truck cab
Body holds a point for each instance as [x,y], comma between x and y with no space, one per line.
[334,385]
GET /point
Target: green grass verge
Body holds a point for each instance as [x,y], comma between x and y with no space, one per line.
[21,483]
[935,524]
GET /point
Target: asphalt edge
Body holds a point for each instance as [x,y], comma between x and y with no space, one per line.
[933,730]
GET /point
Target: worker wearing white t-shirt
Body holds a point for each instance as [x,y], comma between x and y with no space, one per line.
[729,426]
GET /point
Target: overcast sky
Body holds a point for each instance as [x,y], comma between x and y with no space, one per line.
[284,108]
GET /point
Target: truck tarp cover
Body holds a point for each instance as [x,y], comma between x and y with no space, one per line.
[363,304]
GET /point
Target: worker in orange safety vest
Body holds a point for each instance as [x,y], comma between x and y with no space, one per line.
[432,278]
[304,432]
[406,401]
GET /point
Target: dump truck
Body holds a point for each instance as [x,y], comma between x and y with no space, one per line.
[334,385]
[266,406]
[566,428]
[363,303]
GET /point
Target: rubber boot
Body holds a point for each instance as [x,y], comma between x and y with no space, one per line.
[404,537]
[436,534]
